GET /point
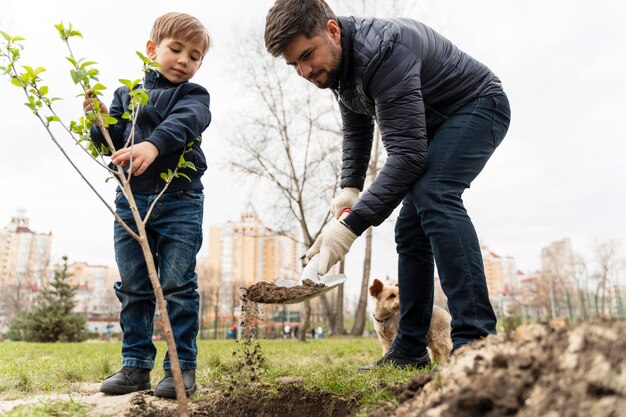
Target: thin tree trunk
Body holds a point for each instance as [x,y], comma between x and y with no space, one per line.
[181,397]
[306,321]
[361,311]
[339,326]
[329,314]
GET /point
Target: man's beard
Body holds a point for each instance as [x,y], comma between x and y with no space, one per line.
[332,75]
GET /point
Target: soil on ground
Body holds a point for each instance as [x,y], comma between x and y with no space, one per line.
[553,370]
[267,292]
[289,400]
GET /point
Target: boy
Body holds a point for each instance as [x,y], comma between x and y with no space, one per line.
[175,116]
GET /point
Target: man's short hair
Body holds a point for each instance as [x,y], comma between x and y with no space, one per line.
[290,18]
[181,26]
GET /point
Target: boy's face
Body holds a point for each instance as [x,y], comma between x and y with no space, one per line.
[180,59]
[317,59]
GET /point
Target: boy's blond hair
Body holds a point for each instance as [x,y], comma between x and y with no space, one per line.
[182,26]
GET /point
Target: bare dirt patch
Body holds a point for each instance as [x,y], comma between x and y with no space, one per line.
[267,292]
[289,400]
[551,370]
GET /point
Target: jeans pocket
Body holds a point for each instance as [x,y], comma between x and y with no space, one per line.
[501,119]
[191,195]
[120,199]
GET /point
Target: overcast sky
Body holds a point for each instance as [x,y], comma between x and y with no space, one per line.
[559,173]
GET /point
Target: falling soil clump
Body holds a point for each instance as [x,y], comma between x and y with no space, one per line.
[267,292]
[249,358]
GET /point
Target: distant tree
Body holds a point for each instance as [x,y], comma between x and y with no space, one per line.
[53,319]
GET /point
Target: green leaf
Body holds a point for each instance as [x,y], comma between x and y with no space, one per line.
[98,87]
[108,119]
[43,90]
[51,119]
[130,84]
[180,174]
[164,176]
[88,63]
[126,115]
[72,61]
[144,58]
[78,76]
[142,97]
[16,82]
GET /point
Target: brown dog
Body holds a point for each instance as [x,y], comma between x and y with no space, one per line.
[387,317]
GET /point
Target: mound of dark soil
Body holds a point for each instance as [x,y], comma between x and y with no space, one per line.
[290,400]
[267,292]
[555,370]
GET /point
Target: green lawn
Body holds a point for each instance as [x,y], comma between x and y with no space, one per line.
[326,364]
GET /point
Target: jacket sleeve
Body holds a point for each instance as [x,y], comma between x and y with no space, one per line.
[116,131]
[185,121]
[357,145]
[393,81]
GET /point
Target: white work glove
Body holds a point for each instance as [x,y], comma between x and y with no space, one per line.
[344,200]
[332,245]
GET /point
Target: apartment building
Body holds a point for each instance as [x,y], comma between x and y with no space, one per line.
[244,252]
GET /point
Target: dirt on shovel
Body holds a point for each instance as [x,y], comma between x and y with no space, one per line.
[267,292]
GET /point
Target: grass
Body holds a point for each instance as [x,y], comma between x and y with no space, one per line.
[53,408]
[327,364]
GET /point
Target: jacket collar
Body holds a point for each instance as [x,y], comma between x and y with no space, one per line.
[347,31]
[154,79]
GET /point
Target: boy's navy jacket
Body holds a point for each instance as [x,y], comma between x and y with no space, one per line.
[176,114]
[410,79]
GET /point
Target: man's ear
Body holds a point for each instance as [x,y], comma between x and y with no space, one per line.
[334,31]
[150,49]
[376,288]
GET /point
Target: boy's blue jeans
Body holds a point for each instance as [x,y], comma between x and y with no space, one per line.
[433,222]
[175,235]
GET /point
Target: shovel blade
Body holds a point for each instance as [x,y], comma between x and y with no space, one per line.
[331,281]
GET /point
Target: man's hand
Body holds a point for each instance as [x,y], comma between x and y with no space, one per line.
[89,107]
[143,154]
[332,245]
[344,200]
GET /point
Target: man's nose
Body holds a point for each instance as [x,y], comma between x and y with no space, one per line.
[304,70]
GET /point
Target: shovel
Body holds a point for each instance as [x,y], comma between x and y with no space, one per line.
[310,271]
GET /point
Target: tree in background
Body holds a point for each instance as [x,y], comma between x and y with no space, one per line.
[282,143]
[52,320]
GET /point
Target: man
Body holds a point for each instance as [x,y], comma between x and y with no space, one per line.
[441,115]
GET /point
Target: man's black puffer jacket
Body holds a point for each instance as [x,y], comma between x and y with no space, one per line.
[409,78]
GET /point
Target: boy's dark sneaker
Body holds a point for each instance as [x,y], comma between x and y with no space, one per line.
[128,379]
[399,360]
[166,387]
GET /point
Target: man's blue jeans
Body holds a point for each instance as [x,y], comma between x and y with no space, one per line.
[175,236]
[433,222]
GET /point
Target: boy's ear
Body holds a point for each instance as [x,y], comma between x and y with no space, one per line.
[150,49]
[376,288]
